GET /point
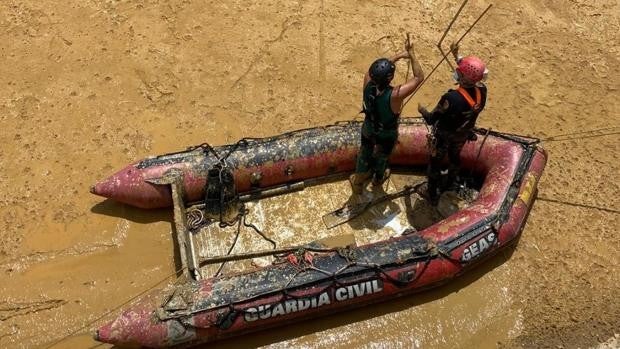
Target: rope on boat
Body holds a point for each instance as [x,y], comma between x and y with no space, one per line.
[257,231]
[241,219]
[195,219]
[432,253]
[232,246]
[345,253]
[246,141]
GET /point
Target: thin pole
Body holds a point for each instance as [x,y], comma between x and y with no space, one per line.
[444,57]
[410,65]
[452,22]
[446,33]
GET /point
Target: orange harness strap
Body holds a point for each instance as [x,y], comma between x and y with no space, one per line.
[474,105]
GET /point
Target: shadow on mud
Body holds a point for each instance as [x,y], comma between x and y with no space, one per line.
[113,208]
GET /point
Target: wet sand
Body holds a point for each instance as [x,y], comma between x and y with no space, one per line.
[88,87]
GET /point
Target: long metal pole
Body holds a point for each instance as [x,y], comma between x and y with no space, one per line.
[444,57]
[452,22]
[446,33]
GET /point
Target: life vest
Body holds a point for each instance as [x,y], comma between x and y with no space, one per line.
[474,105]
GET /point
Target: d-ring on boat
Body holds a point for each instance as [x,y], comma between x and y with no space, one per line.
[323,281]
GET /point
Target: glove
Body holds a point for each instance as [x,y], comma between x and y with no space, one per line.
[472,137]
[427,118]
[425,114]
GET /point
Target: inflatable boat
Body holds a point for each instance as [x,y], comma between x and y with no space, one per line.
[319,283]
[259,164]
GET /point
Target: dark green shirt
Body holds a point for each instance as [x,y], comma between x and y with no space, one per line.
[380,120]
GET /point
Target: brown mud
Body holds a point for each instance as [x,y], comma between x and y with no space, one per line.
[89,86]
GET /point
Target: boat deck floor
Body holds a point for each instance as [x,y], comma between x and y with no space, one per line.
[295,219]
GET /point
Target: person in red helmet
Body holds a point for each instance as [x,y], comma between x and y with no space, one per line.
[453,120]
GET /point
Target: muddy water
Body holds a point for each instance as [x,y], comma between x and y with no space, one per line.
[88,87]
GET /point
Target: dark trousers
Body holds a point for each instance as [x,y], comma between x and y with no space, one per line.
[445,146]
[374,154]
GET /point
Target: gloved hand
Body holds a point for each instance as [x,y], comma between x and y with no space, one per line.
[454,49]
[472,136]
[425,113]
[427,118]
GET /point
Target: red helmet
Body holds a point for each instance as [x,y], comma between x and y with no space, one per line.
[471,68]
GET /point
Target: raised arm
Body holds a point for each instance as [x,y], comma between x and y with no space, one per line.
[454,49]
[406,89]
[431,117]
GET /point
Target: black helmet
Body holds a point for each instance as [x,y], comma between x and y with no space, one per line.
[381,71]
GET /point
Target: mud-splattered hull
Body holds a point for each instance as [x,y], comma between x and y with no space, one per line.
[264,163]
[276,295]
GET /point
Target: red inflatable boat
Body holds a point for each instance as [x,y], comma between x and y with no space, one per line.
[322,283]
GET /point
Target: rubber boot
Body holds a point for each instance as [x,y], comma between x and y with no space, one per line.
[379,181]
[433,196]
[358,182]
[427,193]
[433,185]
[453,180]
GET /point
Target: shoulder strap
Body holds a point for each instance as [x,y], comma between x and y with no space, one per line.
[475,105]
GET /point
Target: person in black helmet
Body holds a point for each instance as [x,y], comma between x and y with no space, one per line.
[382,105]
